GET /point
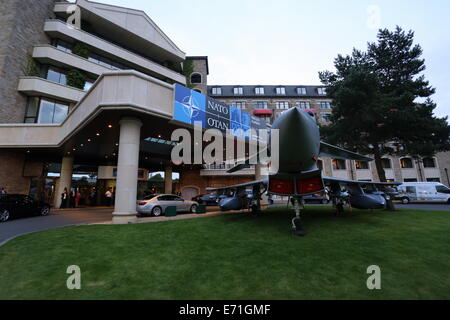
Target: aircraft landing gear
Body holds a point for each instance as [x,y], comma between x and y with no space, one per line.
[297,224]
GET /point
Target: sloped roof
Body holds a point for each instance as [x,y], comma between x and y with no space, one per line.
[269,91]
[134,21]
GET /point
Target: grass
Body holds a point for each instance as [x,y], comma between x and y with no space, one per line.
[237,257]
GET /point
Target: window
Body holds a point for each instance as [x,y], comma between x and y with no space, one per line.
[325,105]
[304,105]
[282,105]
[442,189]
[259,90]
[88,85]
[301,91]
[198,90]
[239,104]
[63,45]
[433,180]
[362,165]
[386,163]
[238,90]
[261,105]
[411,180]
[339,164]
[56,75]
[326,117]
[406,163]
[217,91]
[281,90]
[105,62]
[411,189]
[32,110]
[51,111]
[45,111]
[429,163]
[322,91]
[196,78]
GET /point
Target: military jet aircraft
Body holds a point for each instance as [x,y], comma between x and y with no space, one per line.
[298,173]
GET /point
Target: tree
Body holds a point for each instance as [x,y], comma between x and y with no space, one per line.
[382,103]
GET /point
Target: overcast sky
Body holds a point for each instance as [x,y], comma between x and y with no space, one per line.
[290,41]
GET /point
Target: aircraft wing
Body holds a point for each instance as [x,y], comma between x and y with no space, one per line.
[330,151]
[244,185]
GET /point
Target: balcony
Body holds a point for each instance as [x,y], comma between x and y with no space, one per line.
[133,28]
[33,86]
[119,91]
[59,29]
[48,54]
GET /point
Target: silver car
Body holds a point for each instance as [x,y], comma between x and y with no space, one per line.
[156,205]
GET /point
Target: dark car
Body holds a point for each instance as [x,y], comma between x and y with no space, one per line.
[206,199]
[316,198]
[16,206]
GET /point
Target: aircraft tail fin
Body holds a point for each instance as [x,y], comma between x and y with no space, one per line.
[328,150]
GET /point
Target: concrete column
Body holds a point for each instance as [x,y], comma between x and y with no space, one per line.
[258,174]
[65,181]
[127,171]
[168,180]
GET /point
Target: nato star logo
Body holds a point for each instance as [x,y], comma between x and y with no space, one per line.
[191,107]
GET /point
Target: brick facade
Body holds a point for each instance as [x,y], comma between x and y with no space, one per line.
[200,65]
[22,27]
[11,173]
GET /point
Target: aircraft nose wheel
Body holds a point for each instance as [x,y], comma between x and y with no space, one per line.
[298,227]
[297,224]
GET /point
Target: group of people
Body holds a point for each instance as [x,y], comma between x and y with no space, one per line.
[2,191]
[72,199]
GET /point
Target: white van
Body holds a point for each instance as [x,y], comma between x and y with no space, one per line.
[423,191]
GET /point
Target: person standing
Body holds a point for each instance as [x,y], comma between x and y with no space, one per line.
[77,198]
[92,197]
[2,191]
[64,196]
[108,195]
[72,198]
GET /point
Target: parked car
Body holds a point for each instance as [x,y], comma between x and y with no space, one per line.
[423,192]
[14,206]
[156,205]
[206,199]
[316,198]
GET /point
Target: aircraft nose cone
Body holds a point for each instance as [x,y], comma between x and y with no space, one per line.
[299,140]
[292,117]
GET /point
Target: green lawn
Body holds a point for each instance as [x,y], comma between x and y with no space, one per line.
[237,257]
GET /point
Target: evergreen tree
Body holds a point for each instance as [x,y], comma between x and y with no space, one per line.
[382,101]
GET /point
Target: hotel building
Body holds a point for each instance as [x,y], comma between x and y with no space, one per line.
[97,99]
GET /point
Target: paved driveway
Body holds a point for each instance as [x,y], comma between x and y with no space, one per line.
[57,218]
